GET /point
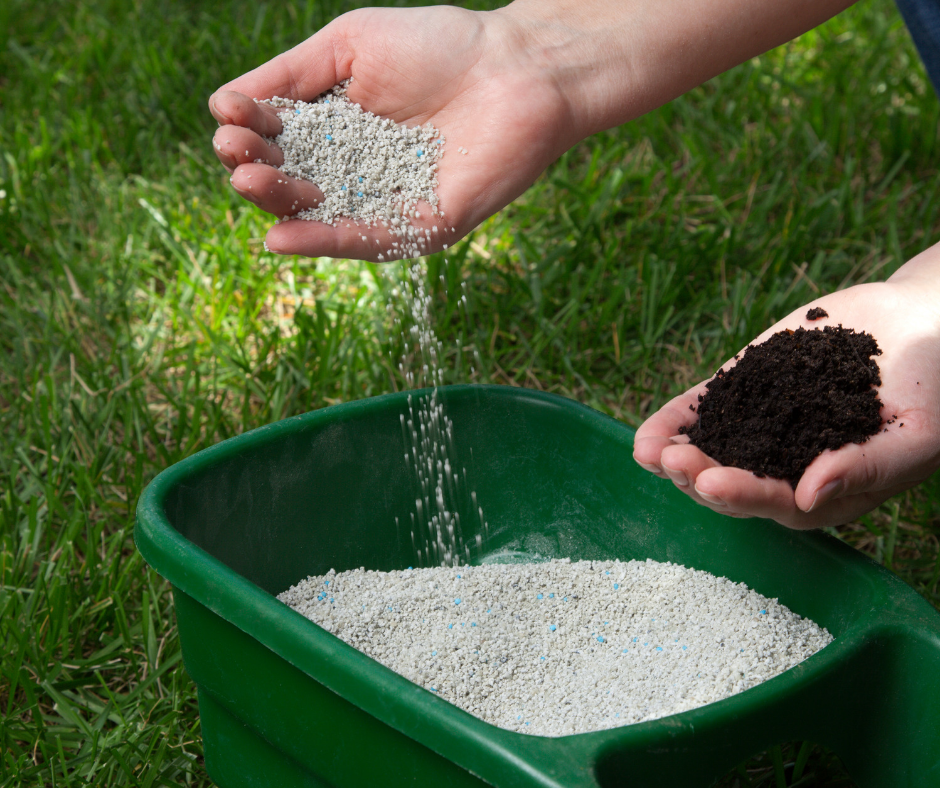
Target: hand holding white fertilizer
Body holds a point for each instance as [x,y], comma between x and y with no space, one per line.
[442,66]
[510,90]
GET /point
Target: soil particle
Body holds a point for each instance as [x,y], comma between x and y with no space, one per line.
[816,313]
[789,399]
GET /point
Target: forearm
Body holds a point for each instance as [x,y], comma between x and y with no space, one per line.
[617,60]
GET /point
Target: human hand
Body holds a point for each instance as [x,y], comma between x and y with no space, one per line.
[903,314]
[465,72]
[516,87]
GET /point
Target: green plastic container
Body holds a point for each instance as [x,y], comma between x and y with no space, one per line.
[283,703]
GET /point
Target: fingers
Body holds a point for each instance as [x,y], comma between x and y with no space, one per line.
[827,476]
[648,453]
[659,449]
[683,465]
[661,430]
[315,239]
[252,162]
[678,412]
[731,491]
[235,146]
[242,150]
[844,509]
[345,239]
[274,192]
[231,108]
[740,491]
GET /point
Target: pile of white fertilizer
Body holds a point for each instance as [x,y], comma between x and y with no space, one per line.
[558,648]
[371,170]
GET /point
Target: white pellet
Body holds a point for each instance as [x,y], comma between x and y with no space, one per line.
[563,647]
[369,169]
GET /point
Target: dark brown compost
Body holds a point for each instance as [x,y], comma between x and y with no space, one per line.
[789,399]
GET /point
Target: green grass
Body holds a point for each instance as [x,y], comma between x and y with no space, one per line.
[141,319]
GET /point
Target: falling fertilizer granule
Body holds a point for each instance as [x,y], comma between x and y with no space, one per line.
[371,170]
[375,172]
[441,486]
[563,647]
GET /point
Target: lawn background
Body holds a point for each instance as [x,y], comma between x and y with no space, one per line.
[141,319]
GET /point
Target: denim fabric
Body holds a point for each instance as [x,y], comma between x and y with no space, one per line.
[923,20]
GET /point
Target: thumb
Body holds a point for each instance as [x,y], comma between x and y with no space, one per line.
[886,461]
[307,70]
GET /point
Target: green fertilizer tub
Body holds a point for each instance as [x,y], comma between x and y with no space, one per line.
[284,704]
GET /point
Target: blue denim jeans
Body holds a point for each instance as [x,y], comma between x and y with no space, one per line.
[923,20]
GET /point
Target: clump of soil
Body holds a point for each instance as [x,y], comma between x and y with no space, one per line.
[816,313]
[789,399]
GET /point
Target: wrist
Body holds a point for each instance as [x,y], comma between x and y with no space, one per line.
[582,50]
[921,275]
[614,61]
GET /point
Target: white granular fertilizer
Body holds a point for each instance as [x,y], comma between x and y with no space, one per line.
[558,648]
[371,170]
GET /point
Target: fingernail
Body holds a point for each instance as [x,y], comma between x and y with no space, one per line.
[712,499]
[678,477]
[221,117]
[246,194]
[825,494]
[650,468]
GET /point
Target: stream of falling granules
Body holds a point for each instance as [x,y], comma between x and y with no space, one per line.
[374,172]
[563,647]
[441,485]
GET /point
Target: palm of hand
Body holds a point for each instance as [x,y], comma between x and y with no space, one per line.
[838,485]
[452,68]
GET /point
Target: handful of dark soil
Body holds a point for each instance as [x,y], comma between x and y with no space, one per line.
[789,399]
